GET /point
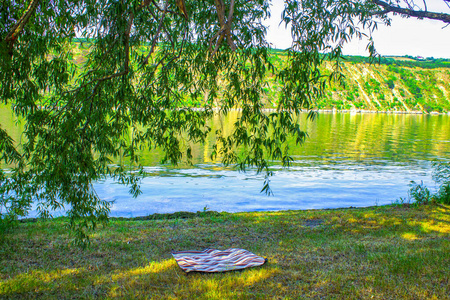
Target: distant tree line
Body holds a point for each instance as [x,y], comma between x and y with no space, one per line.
[427,63]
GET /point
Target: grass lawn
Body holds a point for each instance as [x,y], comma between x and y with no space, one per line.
[387,252]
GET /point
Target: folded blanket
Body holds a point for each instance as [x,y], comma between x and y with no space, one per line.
[212,260]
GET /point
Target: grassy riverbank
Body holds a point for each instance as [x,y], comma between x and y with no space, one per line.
[388,252]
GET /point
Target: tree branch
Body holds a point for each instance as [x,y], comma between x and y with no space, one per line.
[166,10]
[228,26]
[15,31]
[413,13]
[225,26]
[164,27]
[155,39]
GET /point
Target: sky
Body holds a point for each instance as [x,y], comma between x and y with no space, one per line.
[426,38]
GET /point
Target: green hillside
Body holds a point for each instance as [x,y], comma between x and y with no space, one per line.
[388,84]
[391,87]
[404,84]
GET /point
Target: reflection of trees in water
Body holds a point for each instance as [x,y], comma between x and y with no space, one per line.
[396,137]
[392,137]
[340,136]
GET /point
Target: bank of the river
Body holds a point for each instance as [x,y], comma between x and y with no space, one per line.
[360,111]
[386,252]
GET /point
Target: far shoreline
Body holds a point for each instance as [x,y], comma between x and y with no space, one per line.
[345,111]
[399,112]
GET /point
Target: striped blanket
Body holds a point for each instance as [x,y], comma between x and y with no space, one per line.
[211,260]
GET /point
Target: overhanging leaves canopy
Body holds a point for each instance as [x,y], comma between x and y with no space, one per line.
[154,73]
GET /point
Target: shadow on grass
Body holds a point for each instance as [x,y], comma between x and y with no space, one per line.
[389,252]
[159,280]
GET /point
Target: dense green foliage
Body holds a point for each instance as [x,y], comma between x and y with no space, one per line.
[124,98]
[420,194]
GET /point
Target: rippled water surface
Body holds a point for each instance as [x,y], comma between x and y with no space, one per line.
[348,160]
[300,188]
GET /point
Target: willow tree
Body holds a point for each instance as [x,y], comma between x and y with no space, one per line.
[146,63]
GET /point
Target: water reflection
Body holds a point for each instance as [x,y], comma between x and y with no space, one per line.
[348,160]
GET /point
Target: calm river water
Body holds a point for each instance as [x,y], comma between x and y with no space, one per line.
[349,159]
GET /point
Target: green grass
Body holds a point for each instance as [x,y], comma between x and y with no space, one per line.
[387,252]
